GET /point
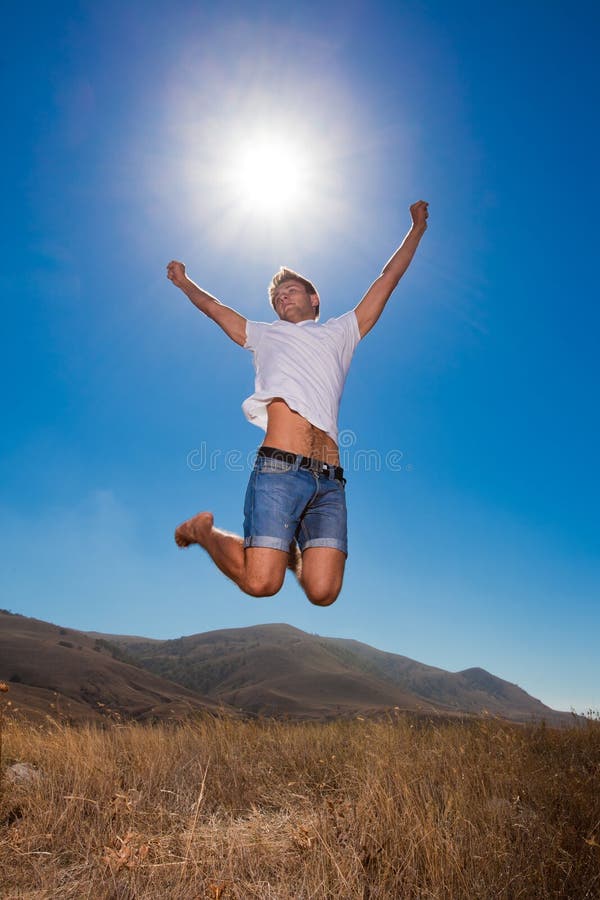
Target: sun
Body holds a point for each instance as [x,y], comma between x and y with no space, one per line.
[266,174]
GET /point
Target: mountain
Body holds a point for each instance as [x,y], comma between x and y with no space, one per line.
[67,674]
[471,690]
[269,670]
[280,670]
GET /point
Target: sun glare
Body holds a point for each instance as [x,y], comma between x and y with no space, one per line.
[265,174]
[273,155]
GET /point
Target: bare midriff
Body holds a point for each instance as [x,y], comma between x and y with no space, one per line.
[288,430]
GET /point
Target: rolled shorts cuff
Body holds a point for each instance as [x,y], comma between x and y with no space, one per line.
[325,542]
[271,543]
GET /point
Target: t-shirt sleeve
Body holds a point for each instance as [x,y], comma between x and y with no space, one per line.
[348,324]
[254,333]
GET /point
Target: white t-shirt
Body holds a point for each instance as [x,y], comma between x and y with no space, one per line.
[305,364]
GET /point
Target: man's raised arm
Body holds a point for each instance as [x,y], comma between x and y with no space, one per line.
[372,304]
[232,323]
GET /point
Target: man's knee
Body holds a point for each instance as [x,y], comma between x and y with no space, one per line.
[263,585]
[264,571]
[322,576]
[323,595]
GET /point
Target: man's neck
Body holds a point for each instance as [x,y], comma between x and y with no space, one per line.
[297,321]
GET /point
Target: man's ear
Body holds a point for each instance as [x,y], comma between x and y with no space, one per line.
[314,299]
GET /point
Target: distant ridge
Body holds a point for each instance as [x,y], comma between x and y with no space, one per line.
[280,670]
[266,670]
[66,674]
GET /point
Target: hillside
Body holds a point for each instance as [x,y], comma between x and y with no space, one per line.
[472,690]
[280,670]
[65,673]
[268,670]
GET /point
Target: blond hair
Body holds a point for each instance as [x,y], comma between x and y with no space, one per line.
[285,274]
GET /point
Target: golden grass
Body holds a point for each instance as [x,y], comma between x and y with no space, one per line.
[220,809]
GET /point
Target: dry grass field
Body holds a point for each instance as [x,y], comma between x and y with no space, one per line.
[358,809]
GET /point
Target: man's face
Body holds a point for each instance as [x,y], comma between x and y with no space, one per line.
[293,303]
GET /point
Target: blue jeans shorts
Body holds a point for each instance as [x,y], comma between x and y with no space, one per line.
[285,503]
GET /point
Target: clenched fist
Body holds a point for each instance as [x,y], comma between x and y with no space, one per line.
[176,273]
[419,213]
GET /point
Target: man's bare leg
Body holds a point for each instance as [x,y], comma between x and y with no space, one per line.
[322,574]
[258,571]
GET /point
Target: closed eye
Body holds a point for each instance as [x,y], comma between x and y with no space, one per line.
[292,290]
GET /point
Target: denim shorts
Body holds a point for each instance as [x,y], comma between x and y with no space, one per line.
[286,503]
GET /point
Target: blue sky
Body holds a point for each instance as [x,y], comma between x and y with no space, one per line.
[481,547]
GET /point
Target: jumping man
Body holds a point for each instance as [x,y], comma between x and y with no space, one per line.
[295,506]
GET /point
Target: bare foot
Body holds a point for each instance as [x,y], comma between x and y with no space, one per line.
[195,530]
[295,560]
